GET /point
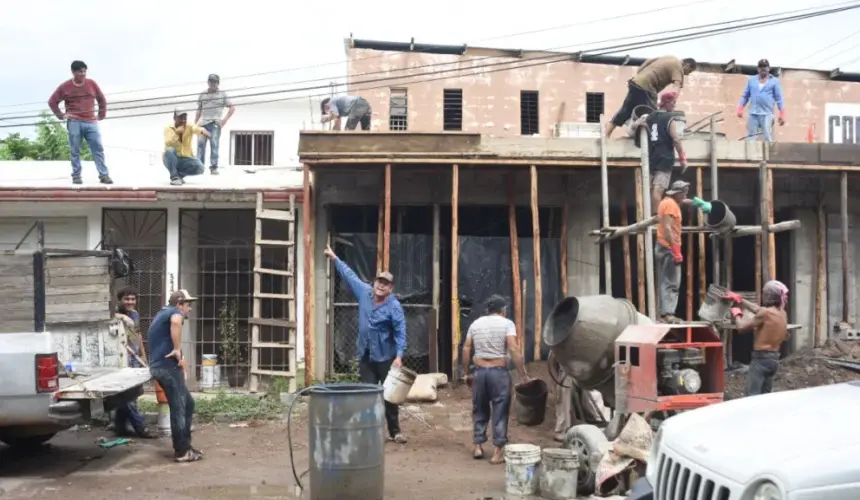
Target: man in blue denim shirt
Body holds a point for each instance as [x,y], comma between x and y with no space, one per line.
[381,332]
[762,92]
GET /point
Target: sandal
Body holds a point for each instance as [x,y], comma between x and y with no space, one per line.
[190,456]
[398,438]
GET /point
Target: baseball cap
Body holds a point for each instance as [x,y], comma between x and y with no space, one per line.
[677,187]
[385,276]
[181,295]
[214,78]
[179,112]
[496,302]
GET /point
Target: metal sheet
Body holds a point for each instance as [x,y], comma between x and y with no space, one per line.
[102,383]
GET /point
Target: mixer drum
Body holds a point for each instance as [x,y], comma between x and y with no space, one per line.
[581,333]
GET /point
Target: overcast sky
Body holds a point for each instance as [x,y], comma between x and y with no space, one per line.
[129,47]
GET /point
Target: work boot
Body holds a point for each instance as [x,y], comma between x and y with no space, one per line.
[213,170]
[77,180]
[105,179]
[176,181]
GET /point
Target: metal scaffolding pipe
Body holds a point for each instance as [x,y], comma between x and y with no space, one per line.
[715,244]
[763,205]
[604,194]
[649,238]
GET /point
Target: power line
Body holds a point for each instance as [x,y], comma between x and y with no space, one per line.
[313,66]
[827,47]
[543,60]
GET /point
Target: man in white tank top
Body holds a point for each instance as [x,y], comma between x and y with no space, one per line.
[493,336]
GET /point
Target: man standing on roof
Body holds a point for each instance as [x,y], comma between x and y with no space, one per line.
[80,95]
[770,329]
[179,156]
[355,109]
[650,79]
[664,141]
[381,332]
[210,115]
[667,251]
[762,92]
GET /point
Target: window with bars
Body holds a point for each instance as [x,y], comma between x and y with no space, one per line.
[452,109]
[397,110]
[594,106]
[253,148]
[529,112]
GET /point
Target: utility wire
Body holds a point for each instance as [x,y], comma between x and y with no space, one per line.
[827,47]
[849,49]
[769,19]
[542,60]
[344,61]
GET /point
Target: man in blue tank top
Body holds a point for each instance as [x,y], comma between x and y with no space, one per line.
[166,366]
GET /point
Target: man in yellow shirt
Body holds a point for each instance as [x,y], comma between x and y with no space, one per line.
[179,156]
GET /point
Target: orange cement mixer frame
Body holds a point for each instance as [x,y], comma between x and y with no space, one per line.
[637,371]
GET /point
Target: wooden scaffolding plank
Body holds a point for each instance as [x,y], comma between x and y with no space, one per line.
[275,214]
[266,295]
[279,323]
[275,243]
[273,345]
[277,272]
[255,312]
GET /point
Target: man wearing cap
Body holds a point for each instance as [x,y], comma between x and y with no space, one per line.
[664,141]
[381,332]
[355,109]
[179,156]
[210,110]
[770,329]
[667,251]
[762,92]
[166,366]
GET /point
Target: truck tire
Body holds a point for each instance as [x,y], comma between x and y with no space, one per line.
[586,439]
[27,441]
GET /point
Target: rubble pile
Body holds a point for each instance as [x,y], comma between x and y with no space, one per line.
[805,368]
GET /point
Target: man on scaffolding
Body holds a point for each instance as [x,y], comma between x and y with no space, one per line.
[667,251]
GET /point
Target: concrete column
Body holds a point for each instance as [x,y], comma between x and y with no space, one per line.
[583,255]
[802,285]
[300,285]
[188,273]
[94,226]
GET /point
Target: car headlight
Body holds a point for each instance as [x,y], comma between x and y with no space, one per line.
[767,491]
[653,456]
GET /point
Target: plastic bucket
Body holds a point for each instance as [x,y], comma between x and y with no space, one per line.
[522,474]
[531,402]
[160,396]
[162,421]
[396,387]
[559,469]
[209,372]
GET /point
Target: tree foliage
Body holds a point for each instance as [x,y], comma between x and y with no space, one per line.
[51,143]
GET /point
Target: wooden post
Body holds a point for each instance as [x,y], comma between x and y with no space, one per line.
[843,216]
[715,195]
[771,236]
[628,279]
[821,278]
[386,235]
[563,238]
[380,229]
[308,223]
[455,271]
[536,261]
[515,262]
[649,237]
[640,244]
[689,262]
[703,273]
[728,332]
[604,196]
[763,213]
[437,276]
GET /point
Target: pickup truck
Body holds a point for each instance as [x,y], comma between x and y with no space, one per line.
[792,445]
[65,298]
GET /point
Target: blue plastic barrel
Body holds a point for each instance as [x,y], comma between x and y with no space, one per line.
[347,442]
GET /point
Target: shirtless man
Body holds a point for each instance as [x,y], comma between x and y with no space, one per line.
[770,330]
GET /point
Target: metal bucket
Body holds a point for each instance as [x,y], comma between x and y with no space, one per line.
[641,110]
[720,219]
[581,332]
[679,121]
[346,436]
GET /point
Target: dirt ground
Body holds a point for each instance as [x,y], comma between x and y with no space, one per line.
[253,462]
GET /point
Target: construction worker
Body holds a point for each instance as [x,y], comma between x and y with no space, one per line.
[355,109]
[210,116]
[664,140]
[770,329]
[127,415]
[667,251]
[179,158]
[650,79]
[762,92]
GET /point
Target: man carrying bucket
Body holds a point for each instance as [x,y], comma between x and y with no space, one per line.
[381,332]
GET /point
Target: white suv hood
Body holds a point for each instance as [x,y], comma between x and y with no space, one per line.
[786,434]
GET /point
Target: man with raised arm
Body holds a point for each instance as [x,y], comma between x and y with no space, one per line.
[770,329]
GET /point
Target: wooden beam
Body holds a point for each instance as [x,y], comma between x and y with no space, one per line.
[716,260]
[455,270]
[821,276]
[771,237]
[437,277]
[688,260]
[625,248]
[563,238]
[308,223]
[604,198]
[380,229]
[386,235]
[764,214]
[703,273]
[729,332]
[640,245]
[649,238]
[536,262]
[843,219]
[515,261]
[625,230]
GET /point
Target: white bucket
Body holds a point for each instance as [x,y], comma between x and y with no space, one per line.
[396,387]
[162,422]
[559,469]
[210,372]
[522,474]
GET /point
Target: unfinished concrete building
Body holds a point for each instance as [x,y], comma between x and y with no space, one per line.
[457,217]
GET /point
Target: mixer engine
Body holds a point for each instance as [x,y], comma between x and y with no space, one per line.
[679,371]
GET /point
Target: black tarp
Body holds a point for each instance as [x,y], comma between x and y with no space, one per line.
[411,263]
[485,269]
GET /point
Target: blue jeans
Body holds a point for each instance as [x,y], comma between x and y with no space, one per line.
[214,129]
[760,123]
[172,381]
[491,397]
[128,413]
[181,167]
[78,131]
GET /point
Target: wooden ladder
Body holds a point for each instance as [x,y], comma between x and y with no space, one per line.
[289,298]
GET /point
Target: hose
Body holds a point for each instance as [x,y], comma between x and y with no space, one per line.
[290,434]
